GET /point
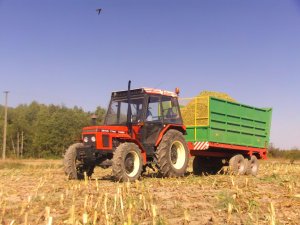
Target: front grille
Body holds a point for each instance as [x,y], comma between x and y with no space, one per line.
[105,140]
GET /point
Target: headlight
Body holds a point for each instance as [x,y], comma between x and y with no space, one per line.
[93,138]
[85,139]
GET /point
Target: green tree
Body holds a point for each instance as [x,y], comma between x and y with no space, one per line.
[47,129]
[100,113]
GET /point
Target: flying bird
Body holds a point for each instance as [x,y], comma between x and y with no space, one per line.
[99,11]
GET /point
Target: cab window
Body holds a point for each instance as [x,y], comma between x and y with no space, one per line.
[117,112]
[170,110]
[154,109]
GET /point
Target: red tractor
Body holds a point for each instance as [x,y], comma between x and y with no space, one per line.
[143,127]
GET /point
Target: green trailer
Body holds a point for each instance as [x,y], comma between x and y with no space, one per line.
[219,129]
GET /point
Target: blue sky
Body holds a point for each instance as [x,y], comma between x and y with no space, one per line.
[62,52]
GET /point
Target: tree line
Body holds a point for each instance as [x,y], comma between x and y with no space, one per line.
[44,131]
[292,154]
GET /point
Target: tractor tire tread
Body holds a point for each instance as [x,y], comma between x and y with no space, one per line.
[69,161]
[118,170]
[162,154]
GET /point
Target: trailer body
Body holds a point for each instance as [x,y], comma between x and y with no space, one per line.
[224,128]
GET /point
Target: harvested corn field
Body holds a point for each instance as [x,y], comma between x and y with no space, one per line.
[37,192]
[195,110]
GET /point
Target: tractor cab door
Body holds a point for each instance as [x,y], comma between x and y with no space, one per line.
[160,110]
[153,122]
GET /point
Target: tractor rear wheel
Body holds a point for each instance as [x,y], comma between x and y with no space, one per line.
[172,154]
[75,169]
[252,168]
[127,162]
[238,165]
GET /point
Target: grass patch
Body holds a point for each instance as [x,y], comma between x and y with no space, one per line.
[11,165]
[225,199]
[30,164]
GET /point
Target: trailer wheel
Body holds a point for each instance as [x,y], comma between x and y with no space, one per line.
[73,168]
[237,165]
[199,166]
[253,165]
[127,164]
[172,154]
[203,165]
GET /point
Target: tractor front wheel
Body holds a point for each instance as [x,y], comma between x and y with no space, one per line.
[75,169]
[172,154]
[127,162]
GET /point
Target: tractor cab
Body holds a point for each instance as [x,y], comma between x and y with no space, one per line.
[151,110]
[147,105]
[142,127]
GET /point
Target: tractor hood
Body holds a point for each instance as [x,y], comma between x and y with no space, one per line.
[101,137]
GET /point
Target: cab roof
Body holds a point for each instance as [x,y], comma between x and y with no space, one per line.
[144,90]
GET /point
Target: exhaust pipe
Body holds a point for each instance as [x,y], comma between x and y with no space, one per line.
[129,124]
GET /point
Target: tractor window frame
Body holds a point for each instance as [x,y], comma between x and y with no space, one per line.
[171,114]
[156,118]
[136,116]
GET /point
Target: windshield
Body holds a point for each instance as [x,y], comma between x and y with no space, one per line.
[117,112]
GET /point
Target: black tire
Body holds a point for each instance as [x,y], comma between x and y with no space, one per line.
[72,167]
[253,166]
[237,165]
[217,165]
[199,166]
[127,164]
[204,165]
[172,154]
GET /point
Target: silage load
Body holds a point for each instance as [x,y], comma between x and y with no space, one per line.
[195,112]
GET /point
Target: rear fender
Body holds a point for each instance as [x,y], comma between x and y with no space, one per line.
[180,128]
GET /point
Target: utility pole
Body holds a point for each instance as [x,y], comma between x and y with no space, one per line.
[22,143]
[5,126]
[18,144]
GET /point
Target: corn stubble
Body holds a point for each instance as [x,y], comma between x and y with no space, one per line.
[33,195]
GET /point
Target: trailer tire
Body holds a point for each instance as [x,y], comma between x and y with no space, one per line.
[253,165]
[127,163]
[172,154]
[74,169]
[238,165]
[203,165]
[199,166]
